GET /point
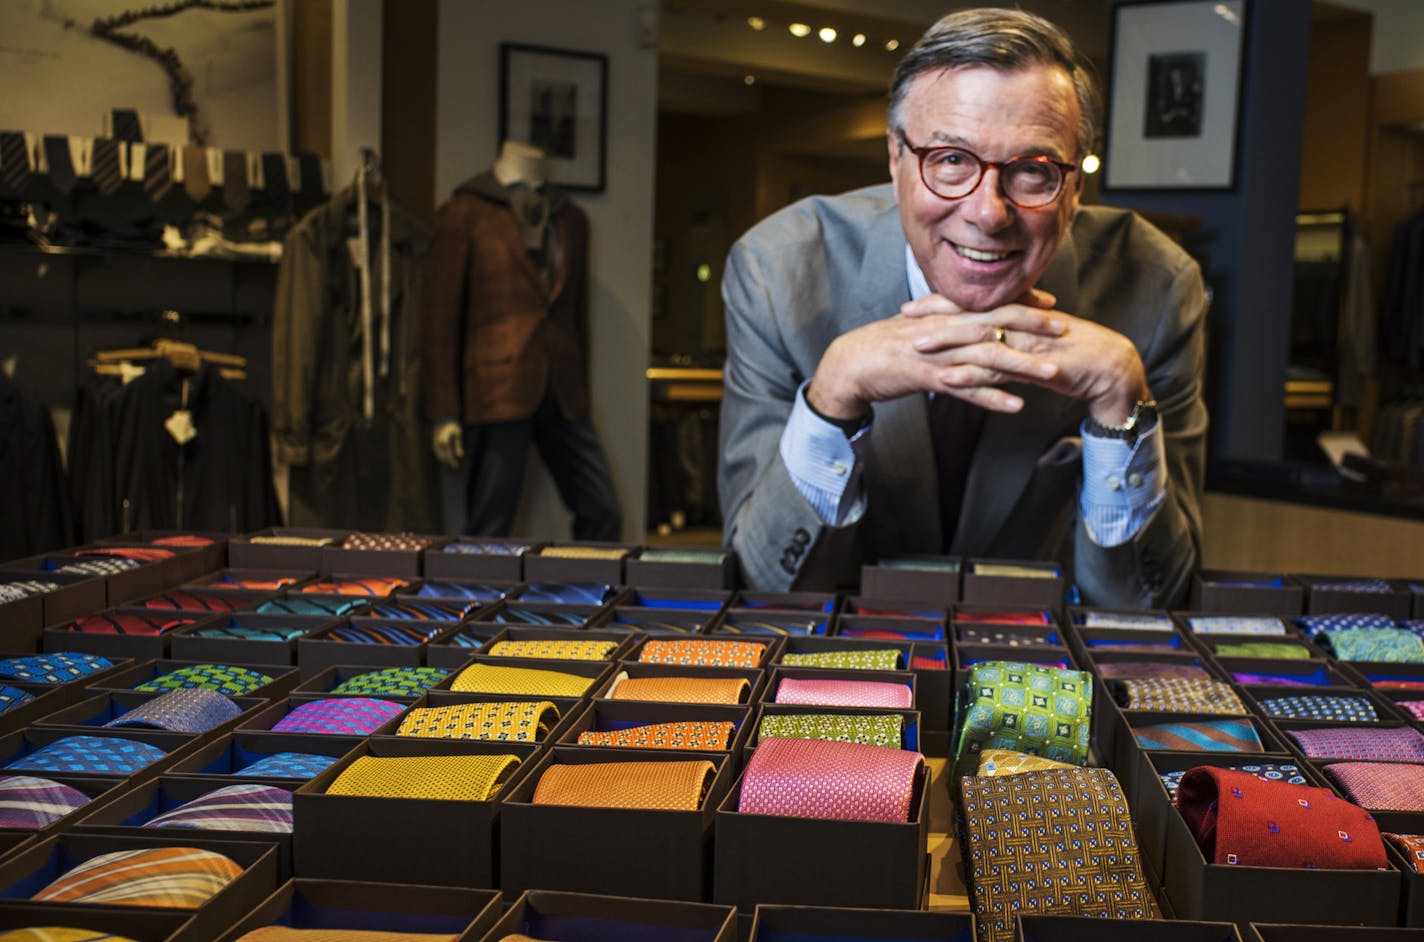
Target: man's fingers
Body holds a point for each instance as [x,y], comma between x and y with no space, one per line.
[987,397]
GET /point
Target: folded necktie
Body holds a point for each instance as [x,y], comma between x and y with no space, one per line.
[767,626]
[584,552]
[1136,621]
[18,589]
[1029,708]
[686,734]
[270,583]
[296,605]
[1008,762]
[555,650]
[1398,743]
[291,540]
[1311,707]
[881,729]
[285,934]
[57,668]
[1381,786]
[1004,637]
[183,539]
[1177,695]
[698,652]
[1316,625]
[568,593]
[512,721]
[446,778]
[1271,771]
[259,808]
[1314,679]
[98,567]
[1113,670]
[491,678]
[246,633]
[485,549]
[170,877]
[181,711]
[103,755]
[682,689]
[1005,618]
[844,693]
[1242,820]
[60,934]
[222,678]
[1208,736]
[398,542]
[873,659]
[663,786]
[1272,649]
[1353,585]
[518,615]
[476,591]
[421,611]
[193,601]
[843,781]
[126,623]
[302,765]
[406,635]
[1237,625]
[11,697]
[393,681]
[1411,846]
[1415,708]
[690,554]
[340,716]
[1387,645]
[143,554]
[1015,571]
[367,585]
[30,803]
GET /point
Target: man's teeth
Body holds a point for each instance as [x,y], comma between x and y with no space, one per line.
[975,255]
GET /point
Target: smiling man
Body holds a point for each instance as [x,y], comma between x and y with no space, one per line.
[965,360]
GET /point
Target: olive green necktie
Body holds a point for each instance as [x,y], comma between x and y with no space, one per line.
[875,659]
[870,730]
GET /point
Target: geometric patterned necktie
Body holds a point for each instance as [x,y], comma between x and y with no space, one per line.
[514,721]
[843,693]
[703,653]
[1307,707]
[56,668]
[868,730]
[30,803]
[687,734]
[172,877]
[11,697]
[341,716]
[300,765]
[875,659]
[100,755]
[1410,845]
[1401,744]
[1052,842]
[1381,786]
[1388,645]
[446,778]
[490,678]
[682,689]
[1204,736]
[667,786]
[1177,695]
[393,681]
[405,635]
[222,678]
[195,710]
[559,650]
[1007,762]
[1271,771]
[393,542]
[1415,708]
[1025,707]
[1317,625]
[259,808]
[844,781]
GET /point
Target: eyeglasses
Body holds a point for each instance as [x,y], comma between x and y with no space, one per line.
[953,173]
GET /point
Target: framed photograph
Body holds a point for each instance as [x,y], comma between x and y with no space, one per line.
[557,100]
[1176,76]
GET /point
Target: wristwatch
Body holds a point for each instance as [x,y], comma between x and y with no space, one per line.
[1142,418]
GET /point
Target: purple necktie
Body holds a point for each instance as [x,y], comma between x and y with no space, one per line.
[30,803]
[1400,743]
[358,716]
[1381,786]
[246,807]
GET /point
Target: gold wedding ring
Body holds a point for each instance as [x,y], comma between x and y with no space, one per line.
[1001,335]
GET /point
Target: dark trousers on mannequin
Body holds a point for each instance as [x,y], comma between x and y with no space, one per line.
[484,490]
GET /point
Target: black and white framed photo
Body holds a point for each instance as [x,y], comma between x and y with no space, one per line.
[557,100]
[1176,76]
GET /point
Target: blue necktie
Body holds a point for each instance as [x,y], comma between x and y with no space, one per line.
[245,633]
[98,754]
[193,710]
[57,668]
[402,635]
[478,591]
[1316,625]
[302,765]
[567,593]
[509,615]
[421,611]
[246,807]
[11,697]
[1315,707]
[296,605]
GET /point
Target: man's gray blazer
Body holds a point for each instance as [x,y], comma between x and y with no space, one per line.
[826,265]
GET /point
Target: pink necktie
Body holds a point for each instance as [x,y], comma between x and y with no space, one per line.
[851,693]
[1381,786]
[845,781]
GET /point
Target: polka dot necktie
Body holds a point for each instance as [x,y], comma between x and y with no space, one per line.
[342,716]
[222,678]
[255,808]
[491,678]
[1381,786]
[56,668]
[449,778]
[846,693]
[1072,827]
[392,681]
[555,650]
[1317,625]
[1008,762]
[692,652]
[809,778]
[665,786]
[1399,744]
[1177,695]
[512,721]
[876,659]
[682,689]
[171,877]
[1313,707]
[396,542]
[687,734]
[868,730]
[28,802]
[1030,708]
[194,710]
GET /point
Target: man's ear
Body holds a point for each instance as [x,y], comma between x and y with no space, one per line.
[894,147]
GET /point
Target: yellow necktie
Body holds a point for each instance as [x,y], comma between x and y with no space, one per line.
[512,720]
[682,689]
[450,778]
[667,786]
[284,934]
[491,678]
[584,552]
[558,650]
[60,934]
[1008,762]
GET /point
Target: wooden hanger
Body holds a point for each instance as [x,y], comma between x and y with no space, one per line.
[183,356]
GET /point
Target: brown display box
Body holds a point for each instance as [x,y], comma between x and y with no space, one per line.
[708,600]
[779,673]
[32,869]
[140,924]
[133,646]
[1032,614]
[874,627]
[407,840]
[773,859]
[967,655]
[443,652]
[755,679]
[242,553]
[570,709]
[186,646]
[866,605]
[318,651]
[1411,910]
[462,915]
[88,716]
[763,623]
[230,754]
[264,719]
[910,723]
[175,746]
[719,571]
[404,563]
[984,589]
[541,568]
[47,700]
[1090,929]
[807,603]
[284,677]
[1217,892]
[478,567]
[26,617]
[118,587]
[927,578]
[1267,932]
[581,917]
[615,851]
[1232,592]
[798,923]
[1318,601]
[1131,762]
[606,715]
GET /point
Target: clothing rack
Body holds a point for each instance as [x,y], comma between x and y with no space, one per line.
[183,355]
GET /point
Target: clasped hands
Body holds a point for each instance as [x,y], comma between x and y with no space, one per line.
[934,345]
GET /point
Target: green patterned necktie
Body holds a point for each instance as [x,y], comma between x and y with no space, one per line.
[225,679]
[874,659]
[1271,649]
[870,730]
[1029,708]
[393,681]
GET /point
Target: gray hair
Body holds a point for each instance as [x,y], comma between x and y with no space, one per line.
[1006,40]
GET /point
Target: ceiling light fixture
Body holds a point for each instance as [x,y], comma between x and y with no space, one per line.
[756,23]
[891,45]
[1091,163]
[799,30]
[858,40]
[749,79]
[827,34]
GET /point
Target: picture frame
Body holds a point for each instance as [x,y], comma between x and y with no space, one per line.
[1173,116]
[557,100]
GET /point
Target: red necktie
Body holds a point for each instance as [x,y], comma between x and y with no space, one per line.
[844,781]
[120,623]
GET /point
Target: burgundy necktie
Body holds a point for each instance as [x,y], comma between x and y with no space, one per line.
[845,781]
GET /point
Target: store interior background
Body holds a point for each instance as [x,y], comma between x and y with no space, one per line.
[711,125]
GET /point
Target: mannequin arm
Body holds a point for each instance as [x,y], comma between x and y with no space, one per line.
[448,441]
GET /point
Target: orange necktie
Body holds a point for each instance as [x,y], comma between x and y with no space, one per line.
[702,652]
[663,786]
[689,734]
[682,689]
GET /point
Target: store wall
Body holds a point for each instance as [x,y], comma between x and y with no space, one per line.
[621,217]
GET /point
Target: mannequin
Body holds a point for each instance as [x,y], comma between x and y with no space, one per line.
[505,347]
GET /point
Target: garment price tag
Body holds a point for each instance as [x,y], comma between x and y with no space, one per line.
[180,426]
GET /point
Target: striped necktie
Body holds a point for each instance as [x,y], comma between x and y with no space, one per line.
[874,659]
[421,611]
[519,615]
[682,689]
[662,786]
[491,678]
[1271,771]
[157,171]
[192,601]
[1206,736]
[170,877]
[368,585]
[250,633]
[259,808]
[299,765]
[403,635]
[102,755]
[1381,786]
[444,778]
[392,681]
[195,710]
[226,679]
[476,591]
[698,652]
[1394,744]
[57,668]
[866,729]
[30,803]
[513,721]
[126,623]
[686,734]
[340,716]
[808,778]
[567,593]
[844,693]
[297,605]
[555,649]
[785,626]
[16,167]
[1312,707]
[1073,827]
